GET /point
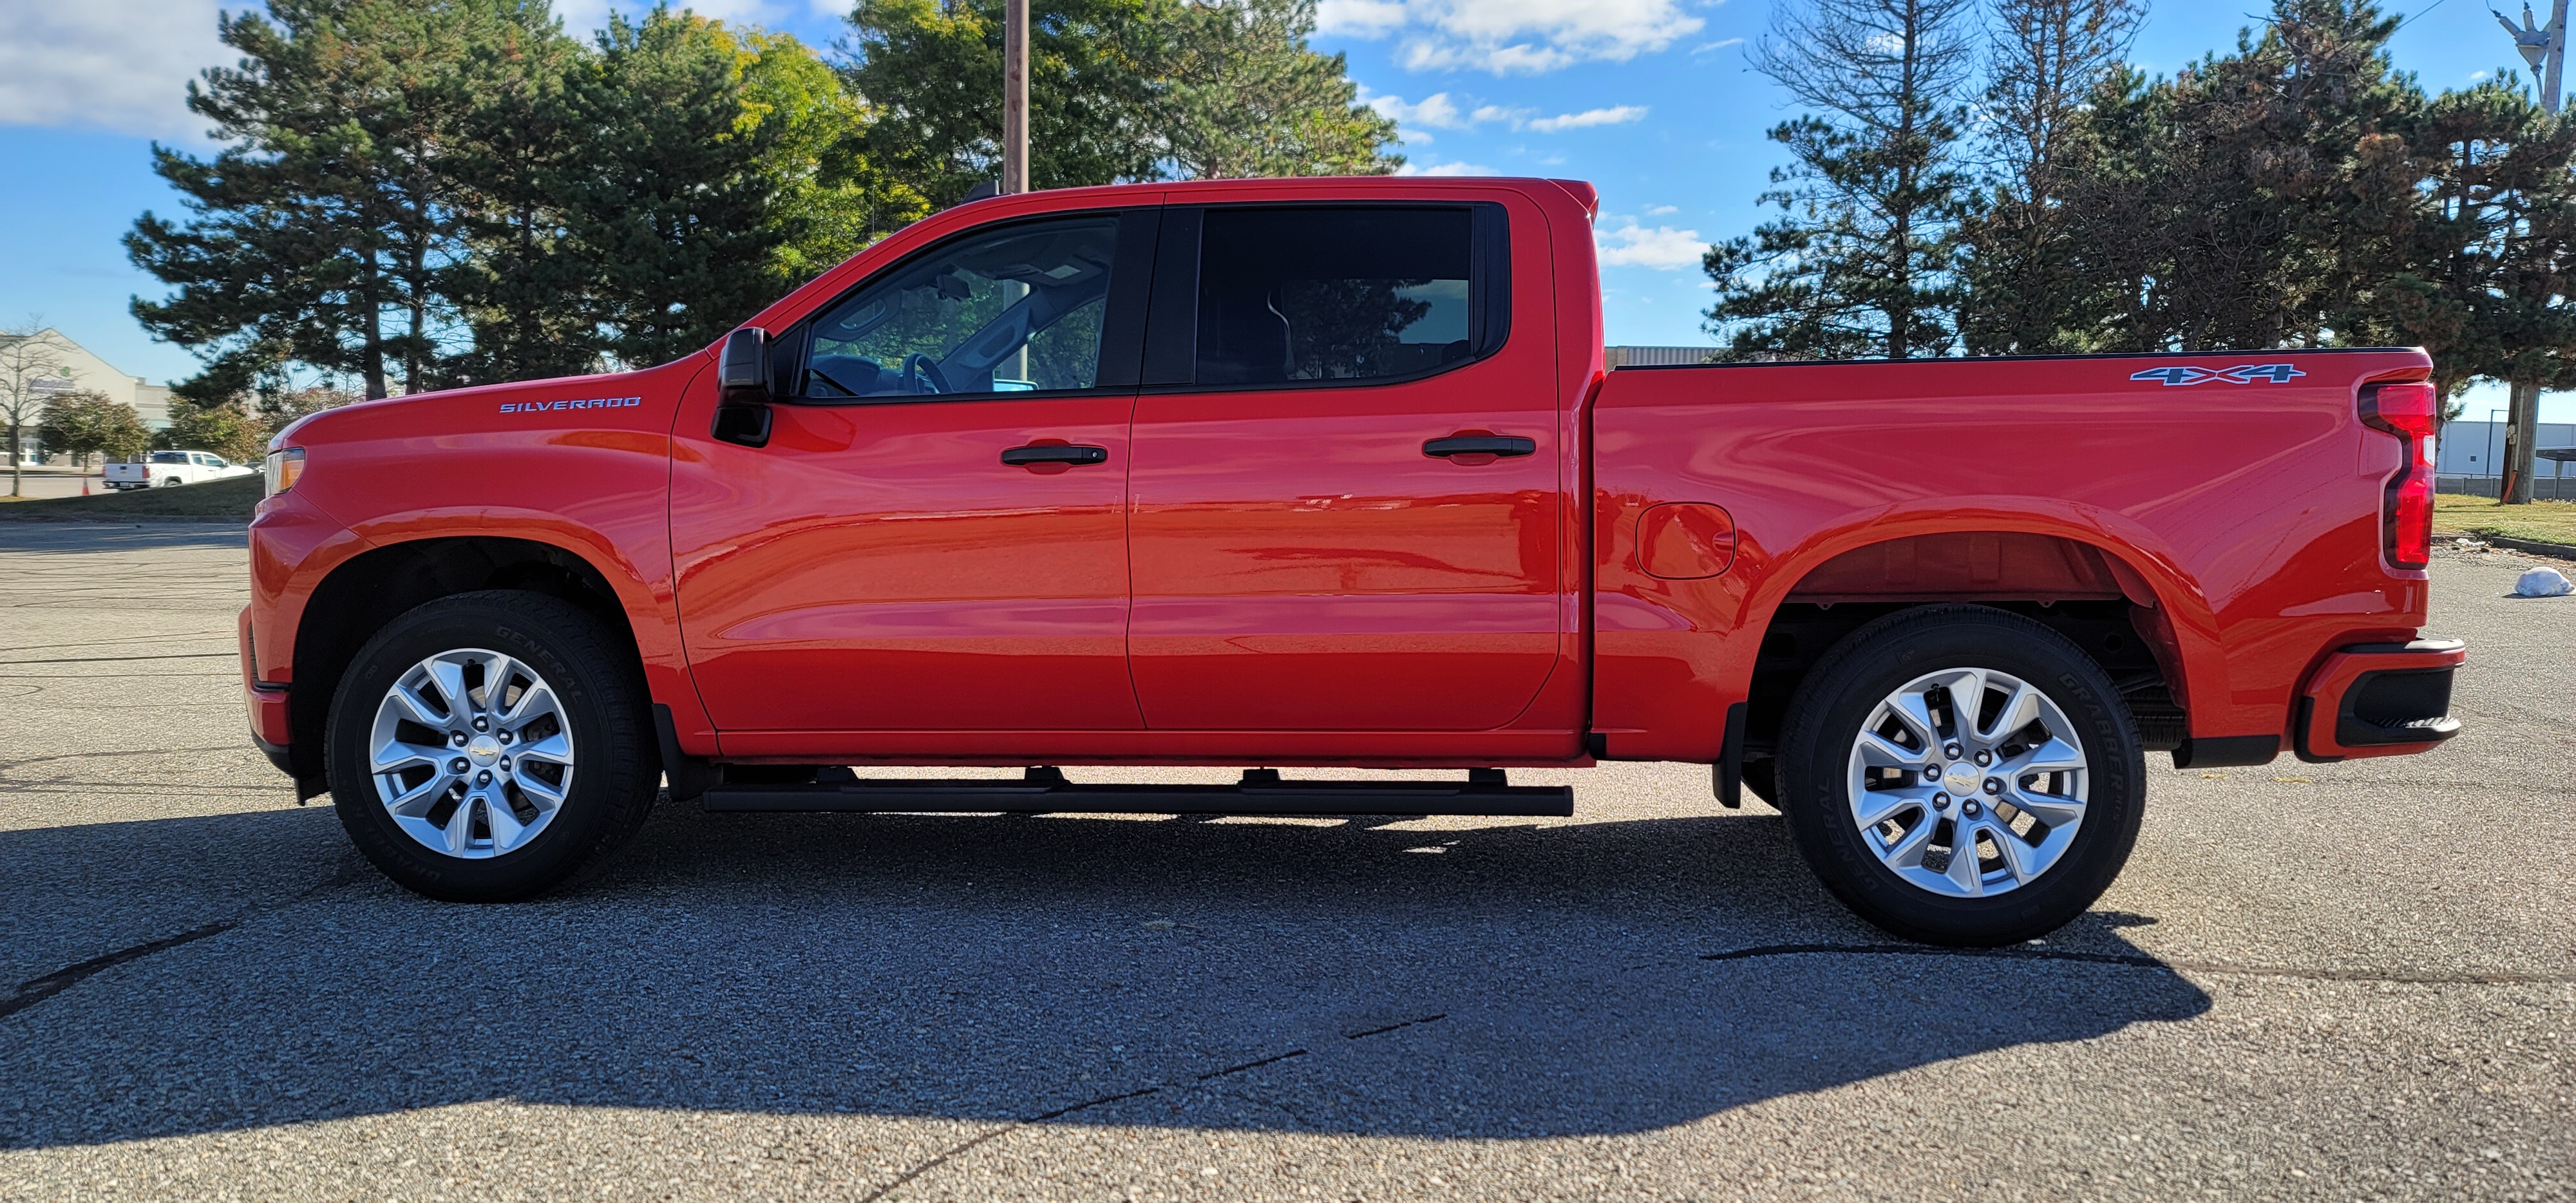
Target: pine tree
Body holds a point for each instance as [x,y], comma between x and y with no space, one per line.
[2491,254]
[2024,290]
[667,201]
[2254,197]
[1864,260]
[1118,90]
[519,287]
[323,233]
[1241,94]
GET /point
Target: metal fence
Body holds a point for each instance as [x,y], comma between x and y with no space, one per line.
[2543,487]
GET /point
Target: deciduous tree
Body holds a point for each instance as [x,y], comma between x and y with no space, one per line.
[34,362]
[86,422]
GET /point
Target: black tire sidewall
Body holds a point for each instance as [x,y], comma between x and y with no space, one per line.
[1875,661]
[613,775]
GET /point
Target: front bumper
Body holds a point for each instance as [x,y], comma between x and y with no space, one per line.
[270,726]
[2379,699]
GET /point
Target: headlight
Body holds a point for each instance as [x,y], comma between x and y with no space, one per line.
[284,469]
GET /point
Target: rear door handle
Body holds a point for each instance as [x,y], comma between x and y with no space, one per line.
[1480,444]
[1055,453]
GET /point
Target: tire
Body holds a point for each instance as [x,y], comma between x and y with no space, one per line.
[573,765]
[2068,847]
[170,482]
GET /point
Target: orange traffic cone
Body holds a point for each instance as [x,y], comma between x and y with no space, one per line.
[84,486]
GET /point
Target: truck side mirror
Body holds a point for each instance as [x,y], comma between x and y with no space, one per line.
[742,382]
[743,370]
[746,425]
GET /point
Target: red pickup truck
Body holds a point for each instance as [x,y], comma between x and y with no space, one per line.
[1287,473]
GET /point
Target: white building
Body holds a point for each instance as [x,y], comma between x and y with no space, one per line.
[151,402]
[2477,449]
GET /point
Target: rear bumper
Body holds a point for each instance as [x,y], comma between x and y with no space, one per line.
[2379,699]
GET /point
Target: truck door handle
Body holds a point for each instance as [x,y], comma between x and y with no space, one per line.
[1055,453]
[1480,444]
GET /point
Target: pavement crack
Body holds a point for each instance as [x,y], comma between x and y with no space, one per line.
[1236,1069]
[944,1156]
[111,755]
[2143,961]
[1394,1027]
[38,989]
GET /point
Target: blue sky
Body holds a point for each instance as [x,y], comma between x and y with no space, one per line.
[1651,100]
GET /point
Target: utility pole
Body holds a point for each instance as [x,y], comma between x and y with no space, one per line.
[1015,94]
[2544,47]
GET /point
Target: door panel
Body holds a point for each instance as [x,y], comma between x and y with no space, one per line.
[877,567]
[934,536]
[1300,561]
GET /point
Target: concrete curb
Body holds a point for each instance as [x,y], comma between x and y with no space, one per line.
[2564,551]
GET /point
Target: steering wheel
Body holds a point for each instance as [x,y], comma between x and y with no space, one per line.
[921,374]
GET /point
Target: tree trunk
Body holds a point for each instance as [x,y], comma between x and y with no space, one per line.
[17,456]
[2521,433]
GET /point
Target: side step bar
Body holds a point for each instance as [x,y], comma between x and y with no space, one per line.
[1261,792]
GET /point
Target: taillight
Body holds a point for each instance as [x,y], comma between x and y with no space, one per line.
[2406,519]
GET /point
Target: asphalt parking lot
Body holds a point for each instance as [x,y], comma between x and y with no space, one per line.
[2328,982]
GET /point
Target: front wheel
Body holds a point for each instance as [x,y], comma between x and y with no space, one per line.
[1962,775]
[489,746]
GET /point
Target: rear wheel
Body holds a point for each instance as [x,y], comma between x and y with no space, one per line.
[488,747]
[1961,775]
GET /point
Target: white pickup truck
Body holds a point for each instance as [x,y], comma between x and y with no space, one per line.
[162,468]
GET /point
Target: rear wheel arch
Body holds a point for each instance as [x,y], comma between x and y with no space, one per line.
[2094,594]
[360,596]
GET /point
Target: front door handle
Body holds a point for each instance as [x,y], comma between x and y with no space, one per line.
[1480,444]
[1055,453]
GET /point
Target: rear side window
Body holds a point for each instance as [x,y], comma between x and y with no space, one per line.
[169,457]
[1325,293]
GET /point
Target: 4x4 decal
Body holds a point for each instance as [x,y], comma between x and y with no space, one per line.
[2243,373]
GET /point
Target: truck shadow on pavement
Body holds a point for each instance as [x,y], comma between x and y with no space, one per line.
[1371,977]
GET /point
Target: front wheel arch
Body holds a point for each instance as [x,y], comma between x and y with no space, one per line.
[359,596]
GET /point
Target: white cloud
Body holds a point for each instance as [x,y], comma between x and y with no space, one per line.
[1435,110]
[1440,111]
[1660,210]
[1446,169]
[1620,115]
[1660,247]
[1512,36]
[1720,44]
[120,64]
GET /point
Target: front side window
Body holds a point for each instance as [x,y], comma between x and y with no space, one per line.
[1009,310]
[1290,294]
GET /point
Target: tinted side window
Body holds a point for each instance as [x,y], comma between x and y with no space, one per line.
[1292,294]
[1007,310]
